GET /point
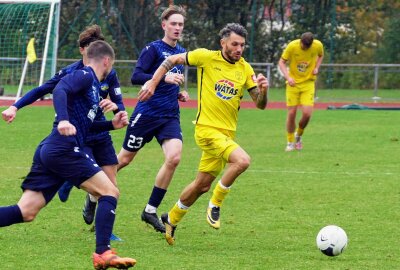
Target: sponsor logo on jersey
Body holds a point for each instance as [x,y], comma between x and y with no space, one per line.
[239,75]
[302,66]
[225,89]
[104,87]
[117,91]
[166,54]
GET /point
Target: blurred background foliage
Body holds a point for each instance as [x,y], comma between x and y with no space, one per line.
[354,31]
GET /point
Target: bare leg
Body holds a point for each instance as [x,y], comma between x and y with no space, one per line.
[30,203]
[125,158]
[172,152]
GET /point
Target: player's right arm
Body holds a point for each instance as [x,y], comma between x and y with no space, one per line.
[10,113]
[148,88]
[47,88]
[284,70]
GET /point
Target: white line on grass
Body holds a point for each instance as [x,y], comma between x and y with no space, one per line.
[319,172]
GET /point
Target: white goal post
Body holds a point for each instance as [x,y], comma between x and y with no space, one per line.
[22,22]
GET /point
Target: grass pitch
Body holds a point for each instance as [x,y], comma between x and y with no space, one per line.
[347,174]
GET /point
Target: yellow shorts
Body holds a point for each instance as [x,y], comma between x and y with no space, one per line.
[217,144]
[300,94]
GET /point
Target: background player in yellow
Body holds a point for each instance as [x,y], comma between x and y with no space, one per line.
[222,78]
[304,57]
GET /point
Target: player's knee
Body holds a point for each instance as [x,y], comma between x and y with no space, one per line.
[110,191]
[124,161]
[202,188]
[243,163]
[115,192]
[173,161]
[29,215]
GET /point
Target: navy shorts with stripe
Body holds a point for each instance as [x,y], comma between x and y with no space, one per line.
[54,164]
[142,129]
[103,151]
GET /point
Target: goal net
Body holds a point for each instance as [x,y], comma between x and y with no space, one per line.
[23,22]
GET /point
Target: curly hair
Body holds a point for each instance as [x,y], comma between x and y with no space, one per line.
[233,27]
[90,34]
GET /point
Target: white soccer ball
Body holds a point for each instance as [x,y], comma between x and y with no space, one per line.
[332,240]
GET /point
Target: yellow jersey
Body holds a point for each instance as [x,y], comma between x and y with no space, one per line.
[302,62]
[220,87]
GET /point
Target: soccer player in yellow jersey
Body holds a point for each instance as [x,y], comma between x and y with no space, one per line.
[222,77]
[304,56]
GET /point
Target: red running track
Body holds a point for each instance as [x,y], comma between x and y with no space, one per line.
[131,102]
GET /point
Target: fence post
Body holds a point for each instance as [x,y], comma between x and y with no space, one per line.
[186,72]
[376,71]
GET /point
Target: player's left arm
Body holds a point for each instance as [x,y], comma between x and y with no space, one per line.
[119,121]
[320,49]
[259,93]
[318,64]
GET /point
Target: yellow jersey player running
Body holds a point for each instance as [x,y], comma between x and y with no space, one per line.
[304,56]
[222,76]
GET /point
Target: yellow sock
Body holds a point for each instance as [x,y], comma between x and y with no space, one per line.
[176,214]
[219,194]
[299,131]
[290,137]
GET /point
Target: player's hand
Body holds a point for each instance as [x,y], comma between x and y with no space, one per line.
[291,81]
[174,78]
[147,91]
[183,96]
[108,106]
[120,120]
[65,128]
[9,114]
[262,83]
[315,71]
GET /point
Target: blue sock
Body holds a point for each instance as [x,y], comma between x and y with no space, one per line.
[10,215]
[157,195]
[105,216]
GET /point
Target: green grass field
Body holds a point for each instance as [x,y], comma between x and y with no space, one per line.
[347,174]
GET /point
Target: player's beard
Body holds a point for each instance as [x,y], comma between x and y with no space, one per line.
[232,57]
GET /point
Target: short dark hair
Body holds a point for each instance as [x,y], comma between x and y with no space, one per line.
[307,39]
[90,34]
[99,49]
[171,10]
[233,27]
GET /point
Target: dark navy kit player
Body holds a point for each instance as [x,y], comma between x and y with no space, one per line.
[98,144]
[159,116]
[59,157]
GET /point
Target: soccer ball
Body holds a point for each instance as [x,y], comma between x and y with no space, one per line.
[332,240]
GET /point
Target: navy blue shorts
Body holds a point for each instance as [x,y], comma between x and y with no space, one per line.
[142,129]
[103,151]
[54,164]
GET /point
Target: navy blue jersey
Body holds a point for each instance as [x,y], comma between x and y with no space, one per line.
[109,87]
[164,102]
[76,99]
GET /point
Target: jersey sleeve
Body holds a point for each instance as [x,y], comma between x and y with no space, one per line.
[146,60]
[115,92]
[320,49]
[287,52]
[71,84]
[38,92]
[199,57]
